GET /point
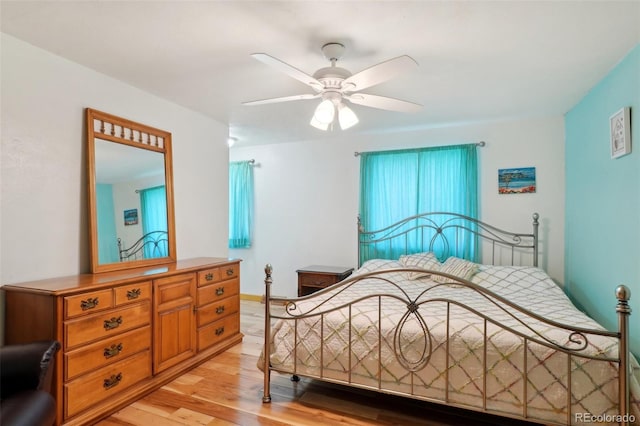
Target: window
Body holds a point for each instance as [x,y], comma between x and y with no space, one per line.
[240,204]
[398,184]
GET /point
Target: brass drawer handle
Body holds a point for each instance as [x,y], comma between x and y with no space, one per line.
[220,309]
[229,272]
[133,294]
[90,303]
[112,381]
[112,351]
[112,323]
[219,291]
[219,330]
[209,276]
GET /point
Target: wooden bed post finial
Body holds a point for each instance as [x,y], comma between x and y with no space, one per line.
[623,294]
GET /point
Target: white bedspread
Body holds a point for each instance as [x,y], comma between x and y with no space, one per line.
[359,345]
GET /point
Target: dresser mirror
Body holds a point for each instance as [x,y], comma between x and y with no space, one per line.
[131,216]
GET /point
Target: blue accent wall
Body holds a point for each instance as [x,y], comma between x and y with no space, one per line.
[602,228]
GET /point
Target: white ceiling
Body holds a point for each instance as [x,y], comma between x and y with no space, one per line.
[478,60]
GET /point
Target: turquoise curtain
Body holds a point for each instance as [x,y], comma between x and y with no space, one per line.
[107,235]
[240,204]
[153,206]
[398,184]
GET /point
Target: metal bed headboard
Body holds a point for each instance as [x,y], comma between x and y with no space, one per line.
[157,240]
[425,231]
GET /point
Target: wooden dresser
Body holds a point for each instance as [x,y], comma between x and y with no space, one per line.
[124,334]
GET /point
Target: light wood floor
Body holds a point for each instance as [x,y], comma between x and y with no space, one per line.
[227,390]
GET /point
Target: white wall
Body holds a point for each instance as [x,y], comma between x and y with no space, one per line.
[44,228]
[306,200]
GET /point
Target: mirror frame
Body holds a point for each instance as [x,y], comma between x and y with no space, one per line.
[120,130]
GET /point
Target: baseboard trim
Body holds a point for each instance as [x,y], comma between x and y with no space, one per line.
[252,297]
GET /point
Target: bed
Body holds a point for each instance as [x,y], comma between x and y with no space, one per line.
[496,336]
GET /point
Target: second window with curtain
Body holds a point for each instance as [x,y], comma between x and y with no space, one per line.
[240,204]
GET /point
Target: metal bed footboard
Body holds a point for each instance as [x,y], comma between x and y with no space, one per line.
[577,339]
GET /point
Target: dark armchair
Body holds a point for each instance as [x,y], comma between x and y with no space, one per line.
[26,375]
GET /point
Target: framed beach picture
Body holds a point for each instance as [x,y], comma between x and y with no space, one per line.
[131,217]
[620,132]
[517,181]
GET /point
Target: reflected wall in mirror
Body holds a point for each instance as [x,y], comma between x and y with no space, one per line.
[130,193]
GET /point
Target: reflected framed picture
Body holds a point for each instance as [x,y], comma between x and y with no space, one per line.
[620,132]
[131,217]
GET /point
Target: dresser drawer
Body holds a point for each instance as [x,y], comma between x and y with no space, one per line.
[88,303]
[213,275]
[218,291]
[106,324]
[95,387]
[97,355]
[132,293]
[217,310]
[229,271]
[218,331]
[208,276]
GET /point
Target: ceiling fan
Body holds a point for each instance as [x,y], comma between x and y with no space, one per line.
[336,86]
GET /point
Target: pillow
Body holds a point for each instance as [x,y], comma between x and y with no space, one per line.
[420,260]
[459,267]
[377,264]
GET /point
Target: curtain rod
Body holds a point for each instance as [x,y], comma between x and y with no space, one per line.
[480,144]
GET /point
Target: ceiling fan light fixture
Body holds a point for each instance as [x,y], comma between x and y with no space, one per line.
[325,112]
[318,125]
[334,85]
[346,117]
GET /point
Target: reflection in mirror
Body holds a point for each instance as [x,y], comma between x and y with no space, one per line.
[130,194]
[130,203]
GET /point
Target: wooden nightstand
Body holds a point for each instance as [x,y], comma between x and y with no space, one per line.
[315,277]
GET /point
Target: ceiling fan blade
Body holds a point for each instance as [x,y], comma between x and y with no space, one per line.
[282,99]
[383,102]
[379,73]
[289,70]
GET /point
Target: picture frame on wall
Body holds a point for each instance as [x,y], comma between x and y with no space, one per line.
[620,132]
[517,181]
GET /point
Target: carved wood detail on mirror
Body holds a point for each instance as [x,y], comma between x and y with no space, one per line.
[130,185]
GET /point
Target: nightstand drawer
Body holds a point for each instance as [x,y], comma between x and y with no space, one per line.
[317,280]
